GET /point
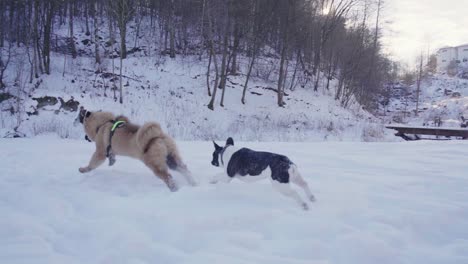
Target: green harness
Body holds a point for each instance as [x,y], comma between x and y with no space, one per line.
[116,124]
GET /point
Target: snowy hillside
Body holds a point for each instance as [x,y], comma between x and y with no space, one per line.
[441,98]
[173,92]
[409,205]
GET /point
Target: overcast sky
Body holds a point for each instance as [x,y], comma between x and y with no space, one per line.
[415,24]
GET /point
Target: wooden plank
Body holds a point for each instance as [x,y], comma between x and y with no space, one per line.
[434,131]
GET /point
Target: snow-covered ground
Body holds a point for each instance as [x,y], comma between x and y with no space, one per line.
[376,203]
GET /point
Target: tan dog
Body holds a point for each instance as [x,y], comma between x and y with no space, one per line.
[147,143]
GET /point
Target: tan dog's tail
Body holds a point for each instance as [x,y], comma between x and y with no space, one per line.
[148,133]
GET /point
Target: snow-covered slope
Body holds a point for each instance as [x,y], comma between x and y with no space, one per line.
[174,93]
[409,205]
[441,98]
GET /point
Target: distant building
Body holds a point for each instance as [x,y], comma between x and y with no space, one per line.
[448,54]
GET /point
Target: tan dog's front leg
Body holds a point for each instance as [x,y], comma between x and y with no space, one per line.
[97,159]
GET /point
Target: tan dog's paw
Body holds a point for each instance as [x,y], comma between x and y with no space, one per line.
[84,170]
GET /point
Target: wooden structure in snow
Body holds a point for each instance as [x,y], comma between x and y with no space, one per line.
[440,133]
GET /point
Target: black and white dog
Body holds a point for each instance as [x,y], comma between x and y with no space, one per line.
[247,165]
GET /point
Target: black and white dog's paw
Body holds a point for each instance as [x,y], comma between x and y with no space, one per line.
[213,181]
[193,183]
[312,198]
[305,206]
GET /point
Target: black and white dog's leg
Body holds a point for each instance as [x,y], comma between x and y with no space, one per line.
[296,178]
[220,177]
[285,189]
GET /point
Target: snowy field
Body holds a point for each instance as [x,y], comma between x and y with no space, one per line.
[379,203]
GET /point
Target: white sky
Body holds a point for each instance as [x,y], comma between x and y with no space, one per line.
[411,26]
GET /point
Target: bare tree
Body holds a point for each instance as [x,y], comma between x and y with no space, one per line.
[4,62]
[70,23]
[49,9]
[213,54]
[172,29]
[224,62]
[418,83]
[97,57]
[122,11]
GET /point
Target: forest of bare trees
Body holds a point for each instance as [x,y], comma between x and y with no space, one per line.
[315,42]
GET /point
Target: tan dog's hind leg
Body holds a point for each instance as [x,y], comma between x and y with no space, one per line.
[97,159]
[155,159]
[163,174]
[182,168]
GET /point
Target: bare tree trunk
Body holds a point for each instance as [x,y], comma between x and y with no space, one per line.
[208,74]
[72,38]
[317,80]
[293,78]
[139,19]
[331,69]
[224,70]
[233,69]
[31,64]
[4,64]
[35,38]
[121,86]
[49,12]
[251,64]
[166,35]
[96,36]
[202,27]
[112,40]
[213,53]
[254,35]
[316,70]
[87,19]
[123,45]
[376,34]
[418,90]
[281,76]
[225,63]
[2,27]
[172,31]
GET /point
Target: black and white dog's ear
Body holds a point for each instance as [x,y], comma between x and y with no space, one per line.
[230,141]
[216,146]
